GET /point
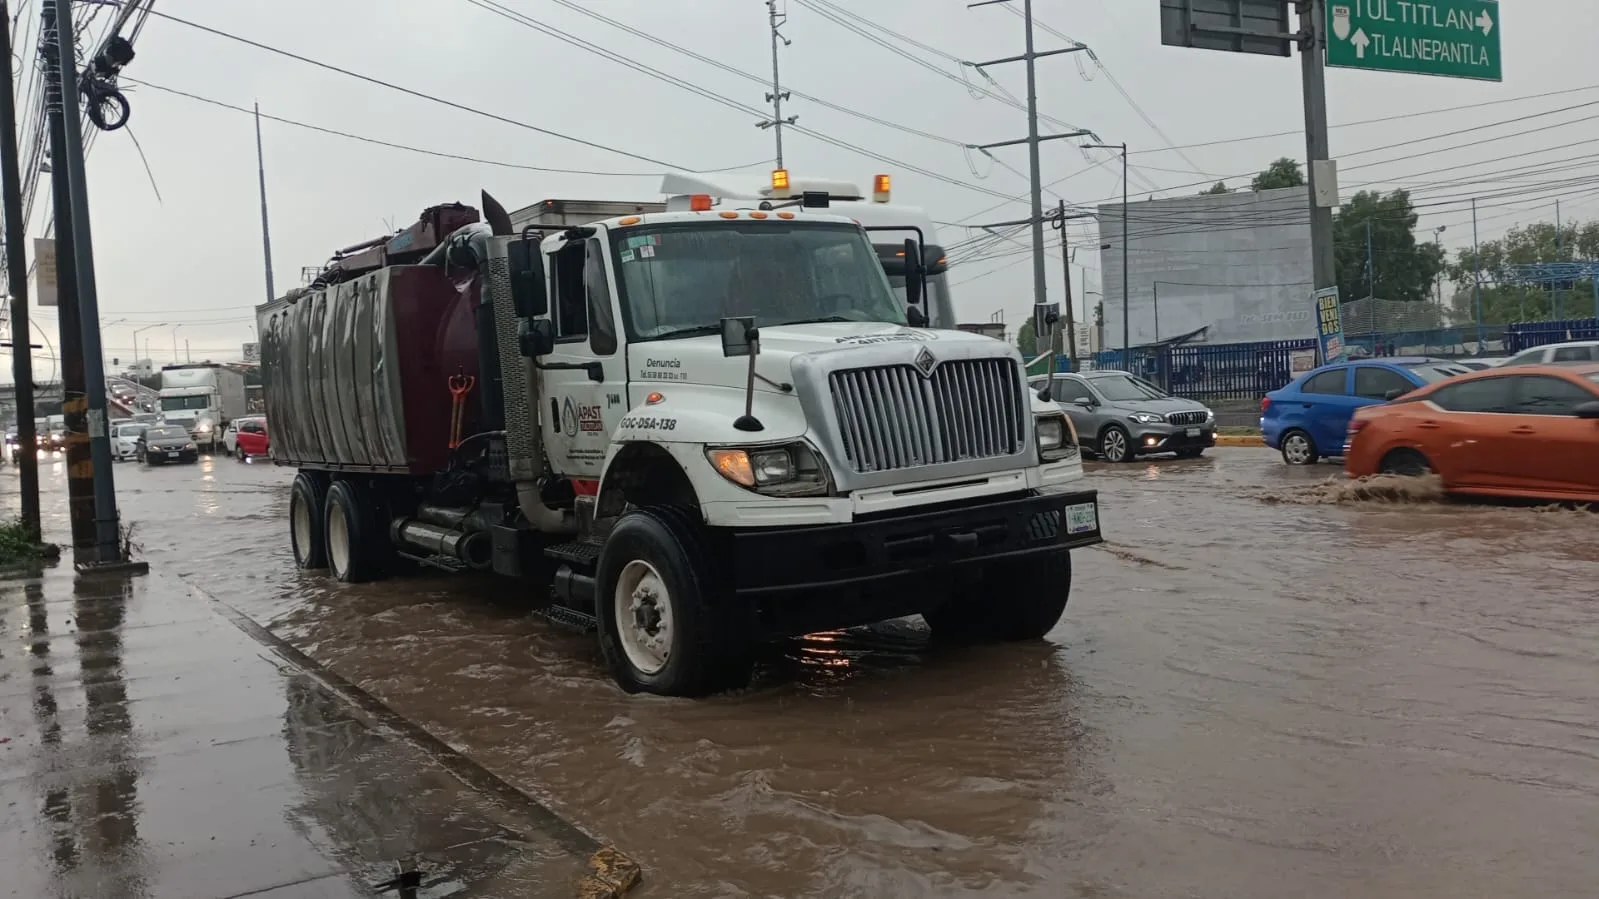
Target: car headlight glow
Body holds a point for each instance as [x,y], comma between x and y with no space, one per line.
[1057,439]
[792,469]
[204,428]
[1147,418]
[189,446]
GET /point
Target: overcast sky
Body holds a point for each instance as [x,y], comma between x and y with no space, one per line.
[193,257]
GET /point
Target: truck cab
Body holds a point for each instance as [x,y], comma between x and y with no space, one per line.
[698,430]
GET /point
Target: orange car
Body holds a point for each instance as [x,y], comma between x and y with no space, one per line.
[1529,431]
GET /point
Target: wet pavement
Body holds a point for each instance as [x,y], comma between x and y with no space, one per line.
[1265,685]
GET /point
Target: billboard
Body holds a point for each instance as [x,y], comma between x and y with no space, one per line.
[252,354]
[1214,268]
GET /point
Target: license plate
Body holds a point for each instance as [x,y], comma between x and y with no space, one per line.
[1082,518]
[1193,432]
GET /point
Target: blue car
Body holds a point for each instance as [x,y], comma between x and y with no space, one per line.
[1308,419]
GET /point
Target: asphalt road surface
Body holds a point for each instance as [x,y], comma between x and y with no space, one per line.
[1267,684]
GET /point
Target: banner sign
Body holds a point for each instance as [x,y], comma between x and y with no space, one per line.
[1330,325]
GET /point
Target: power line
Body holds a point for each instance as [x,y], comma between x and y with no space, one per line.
[421,95]
[398,146]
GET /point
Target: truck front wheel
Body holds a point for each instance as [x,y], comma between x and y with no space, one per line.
[305,522]
[1015,601]
[661,609]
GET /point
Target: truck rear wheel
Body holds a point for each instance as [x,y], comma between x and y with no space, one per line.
[356,541]
[661,608]
[305,522]
[1018,601]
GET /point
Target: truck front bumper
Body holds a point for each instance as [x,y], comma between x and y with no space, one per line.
[799,580]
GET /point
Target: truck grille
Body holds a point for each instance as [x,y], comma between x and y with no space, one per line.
[891,417]
[1186,418]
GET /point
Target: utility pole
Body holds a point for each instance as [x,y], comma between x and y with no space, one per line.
[105,545]
[266,232]
[1476,273]
[75,402]
[1312,23]
[1371,265]
[17,278]
[1041,310]
[1127,317]
[1066,269]
[777,95]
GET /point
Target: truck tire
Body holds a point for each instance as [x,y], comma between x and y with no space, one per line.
[1014,602]
[356,540]
[661,606]
[305,522]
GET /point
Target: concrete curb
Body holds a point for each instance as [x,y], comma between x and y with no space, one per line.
[1240,440]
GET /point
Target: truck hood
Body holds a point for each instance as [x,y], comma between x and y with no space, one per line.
[699,360]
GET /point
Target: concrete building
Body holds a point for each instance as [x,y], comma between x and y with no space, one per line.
[1236,265]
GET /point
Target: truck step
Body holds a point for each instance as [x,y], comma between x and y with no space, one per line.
[579,555]
[443,563]
[570,619]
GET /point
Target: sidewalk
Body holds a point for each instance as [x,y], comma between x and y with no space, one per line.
[151,747]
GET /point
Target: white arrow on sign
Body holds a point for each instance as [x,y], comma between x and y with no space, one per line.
[1485,22]
[1360,41]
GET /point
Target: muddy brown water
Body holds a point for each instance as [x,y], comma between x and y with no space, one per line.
[1268,683]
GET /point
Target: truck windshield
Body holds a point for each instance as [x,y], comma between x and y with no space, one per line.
[684,279]
[198,401]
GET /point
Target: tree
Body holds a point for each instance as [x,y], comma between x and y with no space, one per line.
[1283,173]
[1511,302]
[1027,339]
[1396,267]
[1220,187]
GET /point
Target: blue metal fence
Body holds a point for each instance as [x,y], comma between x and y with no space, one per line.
[1236,371]
[1526,335]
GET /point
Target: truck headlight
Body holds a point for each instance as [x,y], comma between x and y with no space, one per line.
[1057,439]
[204,428]
[1147,418]
[792,469]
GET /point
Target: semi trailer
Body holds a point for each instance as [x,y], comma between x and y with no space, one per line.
[690,431]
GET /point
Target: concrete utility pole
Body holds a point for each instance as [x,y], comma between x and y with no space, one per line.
[1312,23]
[104,546]
[1032,140]
[17,278]
[1066,267]
[266,232]
[777,95]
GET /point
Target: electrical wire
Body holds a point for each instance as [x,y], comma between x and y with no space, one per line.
[399,146]
[412,92]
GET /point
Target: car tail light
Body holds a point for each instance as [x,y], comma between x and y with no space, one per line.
[1265,403]
[1355,424]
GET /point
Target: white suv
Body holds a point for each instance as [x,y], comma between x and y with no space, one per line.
[1554,353]
[230,437]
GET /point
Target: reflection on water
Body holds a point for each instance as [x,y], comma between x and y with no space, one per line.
[88,781]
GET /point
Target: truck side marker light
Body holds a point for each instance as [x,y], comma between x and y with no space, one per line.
[785,215]
[654,399]
[728,215]
[630,220]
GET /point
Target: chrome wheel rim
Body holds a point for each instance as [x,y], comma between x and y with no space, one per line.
[1297,448]
[338,540]
[1115,446]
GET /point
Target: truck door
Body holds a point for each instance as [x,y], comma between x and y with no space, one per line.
[580,412]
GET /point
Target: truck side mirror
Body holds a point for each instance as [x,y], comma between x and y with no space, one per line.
[529,292]
[536,337]
[915,273]
[741,338]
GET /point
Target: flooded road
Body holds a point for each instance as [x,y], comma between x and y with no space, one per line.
[1264,686]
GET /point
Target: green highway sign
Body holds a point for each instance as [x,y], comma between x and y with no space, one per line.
[1452,38]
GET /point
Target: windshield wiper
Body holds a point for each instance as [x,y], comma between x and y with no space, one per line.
[694,331]
[817,321]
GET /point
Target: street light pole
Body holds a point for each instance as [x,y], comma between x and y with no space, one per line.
[146,340]
[175,359]
[1127,334]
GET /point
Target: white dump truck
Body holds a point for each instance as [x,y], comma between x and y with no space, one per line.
[690,431]
[202,397]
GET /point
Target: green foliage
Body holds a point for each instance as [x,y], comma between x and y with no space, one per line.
[1401,269]
[1220,187]
[18,545]
[1027,340]
[1283,173]
[1504,303]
